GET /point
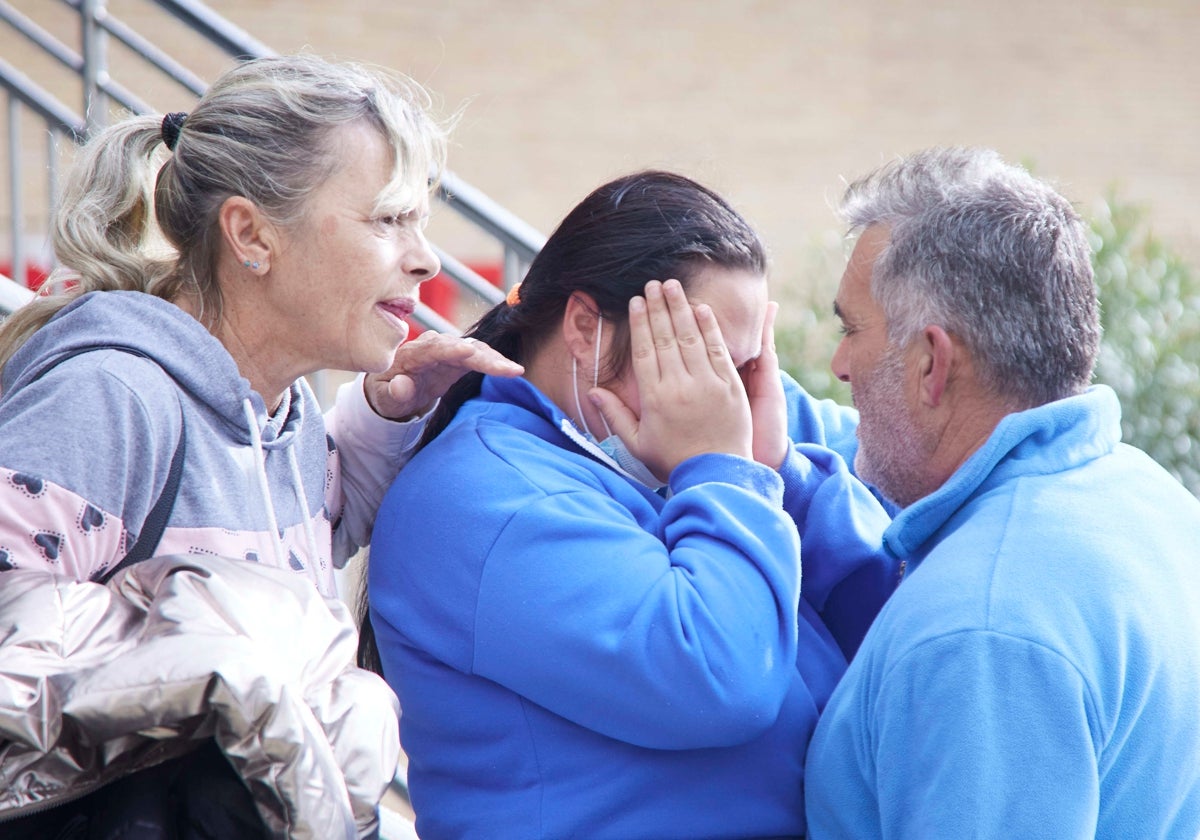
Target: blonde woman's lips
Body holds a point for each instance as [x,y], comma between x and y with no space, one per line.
[399,308]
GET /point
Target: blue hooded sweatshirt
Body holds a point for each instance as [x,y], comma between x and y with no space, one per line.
[577,655]
[86,443]
[1037,674]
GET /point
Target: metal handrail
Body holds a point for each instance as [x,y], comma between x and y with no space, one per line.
[69,58]
[519,238]
[219,32]
[150,51]
[520,242]
[467,277]
[34,97]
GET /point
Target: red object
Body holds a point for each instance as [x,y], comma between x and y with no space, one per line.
[35,275]
[440,293]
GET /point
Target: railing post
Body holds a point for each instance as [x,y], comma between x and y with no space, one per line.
[513,273]
[95,65]
[16,204]
[53,138]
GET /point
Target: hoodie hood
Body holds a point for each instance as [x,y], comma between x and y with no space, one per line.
[258,483]
[177,343]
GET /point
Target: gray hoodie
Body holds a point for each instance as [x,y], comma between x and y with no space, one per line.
[85,448]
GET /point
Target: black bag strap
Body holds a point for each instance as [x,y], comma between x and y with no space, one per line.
[156,520]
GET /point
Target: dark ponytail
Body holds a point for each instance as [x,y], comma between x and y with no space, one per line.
[494,329]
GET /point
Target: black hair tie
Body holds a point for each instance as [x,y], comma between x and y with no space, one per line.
[172,124]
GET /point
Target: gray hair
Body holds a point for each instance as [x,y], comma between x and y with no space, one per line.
[991,254]
[133,216]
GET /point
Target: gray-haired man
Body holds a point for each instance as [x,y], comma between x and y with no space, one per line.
[1037,674]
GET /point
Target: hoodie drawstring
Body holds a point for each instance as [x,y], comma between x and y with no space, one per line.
[260,469]
[298,489]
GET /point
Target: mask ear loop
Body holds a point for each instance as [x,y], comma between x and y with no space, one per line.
[595,382]
[578,407]
[596,370]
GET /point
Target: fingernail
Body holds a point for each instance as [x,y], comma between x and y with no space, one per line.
[637,304]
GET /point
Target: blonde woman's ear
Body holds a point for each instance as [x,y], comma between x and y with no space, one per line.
[248,235]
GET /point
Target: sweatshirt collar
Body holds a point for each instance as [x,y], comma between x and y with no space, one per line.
[1047,439]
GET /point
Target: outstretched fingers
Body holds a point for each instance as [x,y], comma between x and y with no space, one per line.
[716,352]
[424,368]
[768,406]
[691,397]
[681,339]
[643,353]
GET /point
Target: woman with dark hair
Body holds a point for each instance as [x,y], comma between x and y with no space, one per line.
[596,628]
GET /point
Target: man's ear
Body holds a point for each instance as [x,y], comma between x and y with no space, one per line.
[250,237]
[936,364]
[580,320]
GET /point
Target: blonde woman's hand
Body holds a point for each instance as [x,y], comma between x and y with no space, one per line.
[424,368]
[768,406]
[692,399]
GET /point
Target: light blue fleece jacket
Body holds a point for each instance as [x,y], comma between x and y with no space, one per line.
[577,656]
[1037,673]
[85,449]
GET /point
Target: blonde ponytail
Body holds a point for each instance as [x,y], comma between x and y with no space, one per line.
[103,231]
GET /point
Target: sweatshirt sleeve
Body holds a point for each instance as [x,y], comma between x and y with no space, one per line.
[684,638]
[83,457]
[371,451]
[826,422]
[985,734]
[848,574]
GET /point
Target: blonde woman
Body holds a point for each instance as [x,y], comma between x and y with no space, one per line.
[212,260]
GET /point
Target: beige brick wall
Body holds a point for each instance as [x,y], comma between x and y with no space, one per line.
[771,102]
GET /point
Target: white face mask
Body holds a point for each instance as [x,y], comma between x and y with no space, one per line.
[612,445]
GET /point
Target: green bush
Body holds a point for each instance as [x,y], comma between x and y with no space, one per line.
[1150,308]
[806,331]
[1150,355]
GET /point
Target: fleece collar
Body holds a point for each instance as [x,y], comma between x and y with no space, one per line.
[1047,439]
